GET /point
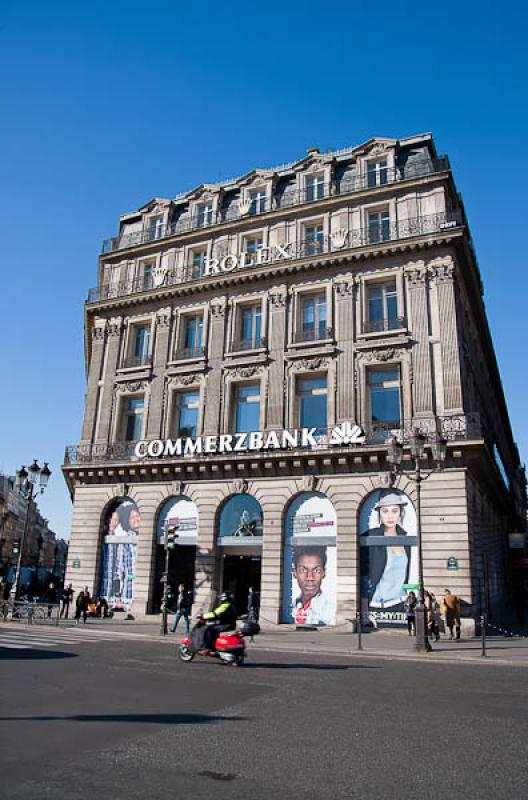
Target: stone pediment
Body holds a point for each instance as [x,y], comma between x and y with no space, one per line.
[375,146]
[155,205]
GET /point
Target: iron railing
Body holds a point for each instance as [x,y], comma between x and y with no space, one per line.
[189,352]
[143,360]
[286,198]
[253,343]
[340,241]
[386,324]
[457,427]
[32,612]
[316,334]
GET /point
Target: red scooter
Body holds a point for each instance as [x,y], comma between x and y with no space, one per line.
[229,648]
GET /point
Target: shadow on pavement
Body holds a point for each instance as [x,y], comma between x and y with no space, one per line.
[7,654]
[160,719]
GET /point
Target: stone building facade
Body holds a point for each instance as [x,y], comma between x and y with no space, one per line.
[337,299]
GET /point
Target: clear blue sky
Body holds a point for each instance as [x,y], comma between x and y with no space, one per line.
[107,104]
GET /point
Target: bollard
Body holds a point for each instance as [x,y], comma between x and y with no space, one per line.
[358,622]
[483,635]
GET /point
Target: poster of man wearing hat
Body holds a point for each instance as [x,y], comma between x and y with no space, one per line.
[388,555]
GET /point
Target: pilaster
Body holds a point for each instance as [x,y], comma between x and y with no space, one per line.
[94,376]
[113,342]
[160,356]
[344,334]
[215,358]
[277,326]
[442,273]
[421,351]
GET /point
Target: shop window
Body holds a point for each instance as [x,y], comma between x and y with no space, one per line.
[132,419]
[378,226]
[377,173]
[382,307]
[314,188]
[384,396]
[187,408]
[247,408]
[312,403]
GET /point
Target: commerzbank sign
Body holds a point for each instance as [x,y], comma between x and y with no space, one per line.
[346,433]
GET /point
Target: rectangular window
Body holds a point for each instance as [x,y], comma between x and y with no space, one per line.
[377,174]
[140,347]
[313,318]
[250,328]
[192,336]
[311,396]
[146,271]
[247,408]
[133,419]
[187,407]
[155,228]
[314,188]
[378,226]
[258,201]
[314,239]
[384,394]
[382,307]
[251,247]
[205,215]
[197,263]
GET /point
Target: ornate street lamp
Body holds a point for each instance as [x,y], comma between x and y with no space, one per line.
[417,445]
[29,484]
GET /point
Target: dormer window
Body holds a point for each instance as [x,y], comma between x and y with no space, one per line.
[314,188]
[155,228]
[377,173]
[258,201]
[205,215]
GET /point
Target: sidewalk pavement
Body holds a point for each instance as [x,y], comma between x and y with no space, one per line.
[391,644]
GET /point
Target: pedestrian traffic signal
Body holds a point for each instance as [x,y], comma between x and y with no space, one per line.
[16,547]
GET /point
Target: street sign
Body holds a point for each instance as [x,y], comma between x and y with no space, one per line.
[452,563]
[411,587]
[76,563]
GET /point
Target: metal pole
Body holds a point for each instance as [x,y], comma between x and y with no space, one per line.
[483,635]
[164,627]
[16,582]
[359,631]
[422,638]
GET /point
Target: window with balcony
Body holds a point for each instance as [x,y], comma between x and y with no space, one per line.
[191,341]
[205,215]
[314,238]
[382,308]
[377,173]
[186,414]
[249,328]
[132,419]
[252,246]
[139,349]
[312,403]
[258,201]
[146,270]
[247,408]
[312,318]
[378,226]
[314,188]
[384,396]
[197,263]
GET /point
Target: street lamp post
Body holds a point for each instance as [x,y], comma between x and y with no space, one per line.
[417,445]
[28,485]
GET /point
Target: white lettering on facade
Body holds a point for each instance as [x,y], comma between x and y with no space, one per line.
[290,439]
[211,266]
[224,443]
[256,440]
[229,263]
[308,437]
[240,442]
[272,441]
[155,448]
[192,446]
[173,448]
[210,444]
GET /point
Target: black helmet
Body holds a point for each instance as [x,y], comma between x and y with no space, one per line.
[225,597]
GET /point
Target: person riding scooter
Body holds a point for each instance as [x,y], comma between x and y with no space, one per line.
[225,617]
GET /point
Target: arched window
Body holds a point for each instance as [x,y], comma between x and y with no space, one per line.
[309,587]
[241,517]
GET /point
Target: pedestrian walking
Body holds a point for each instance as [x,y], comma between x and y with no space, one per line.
[253,605]
[433,616]
[410,613]
[51,596]
[183,608]
[5,590]
[451,609]
[81,605]
[67,597]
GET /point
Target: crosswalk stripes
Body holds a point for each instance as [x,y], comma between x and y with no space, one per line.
[25,639]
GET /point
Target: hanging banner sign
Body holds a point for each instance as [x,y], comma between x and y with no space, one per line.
[344,434]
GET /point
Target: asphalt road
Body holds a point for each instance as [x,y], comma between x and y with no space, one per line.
[125,719]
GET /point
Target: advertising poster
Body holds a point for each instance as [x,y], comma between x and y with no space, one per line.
[241,517]
[119,555]
[309,591]
[388,555]
[181,512]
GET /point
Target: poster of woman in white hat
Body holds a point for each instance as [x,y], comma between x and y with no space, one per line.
[388,555]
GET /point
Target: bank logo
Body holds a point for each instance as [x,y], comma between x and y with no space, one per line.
[346,433]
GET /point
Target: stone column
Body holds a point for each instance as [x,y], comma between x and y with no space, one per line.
[213,388]
[344,335]
[442,272]
[113,342]
[94,376]
[421,350]
[277,327]
[159,364]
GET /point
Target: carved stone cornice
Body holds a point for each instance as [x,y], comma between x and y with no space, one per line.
[317,362]
[184,380]
[244,371]
[130,387]
[382,354]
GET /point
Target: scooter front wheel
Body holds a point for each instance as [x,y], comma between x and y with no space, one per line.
[185,653]
[238,660]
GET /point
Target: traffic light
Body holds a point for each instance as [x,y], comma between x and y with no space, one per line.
[172,536]
[16,547]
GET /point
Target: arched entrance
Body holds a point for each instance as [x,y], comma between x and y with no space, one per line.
[309,583]
[182,512]
[239,539]
[120,534]
[388,556]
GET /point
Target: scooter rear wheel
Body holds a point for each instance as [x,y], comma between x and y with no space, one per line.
[185,653]
[238,660]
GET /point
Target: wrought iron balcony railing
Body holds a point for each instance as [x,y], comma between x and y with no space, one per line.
[288,197]
[253,343]
[143,360]
[189,352]
[316,334]
[386,324]
[339,241]
[459,427]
